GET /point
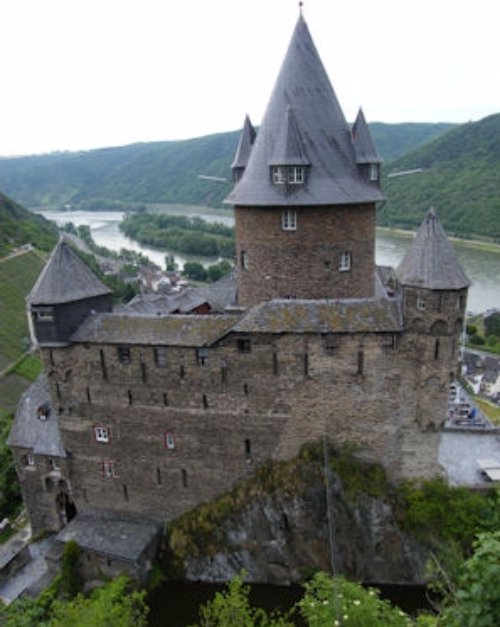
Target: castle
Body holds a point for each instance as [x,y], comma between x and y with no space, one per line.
[142,415]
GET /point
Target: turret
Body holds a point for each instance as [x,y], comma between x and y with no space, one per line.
[304,209]
[65,293]
[434,288]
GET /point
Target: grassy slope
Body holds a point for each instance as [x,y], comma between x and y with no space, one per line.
[19,226]
[459,179]
[17,276]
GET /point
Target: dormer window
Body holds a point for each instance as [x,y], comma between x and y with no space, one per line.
[289,220]
[374,172]
[291,174]
[279,175]
[296,174]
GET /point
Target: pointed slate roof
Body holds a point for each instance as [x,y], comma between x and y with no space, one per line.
[333,177]
[245,144]
[431,262]
[65,279]
[364,148]
[289,147]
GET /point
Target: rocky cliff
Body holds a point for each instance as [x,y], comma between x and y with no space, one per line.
[275,526]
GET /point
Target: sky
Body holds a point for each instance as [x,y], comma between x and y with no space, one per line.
[82,74]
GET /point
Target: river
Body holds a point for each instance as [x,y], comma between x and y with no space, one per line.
[481,265]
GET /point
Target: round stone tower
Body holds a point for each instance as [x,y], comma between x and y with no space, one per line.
[305,191]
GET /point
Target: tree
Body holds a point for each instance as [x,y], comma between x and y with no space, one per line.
[335,601]
[109,605]
[477,601]
[232,608]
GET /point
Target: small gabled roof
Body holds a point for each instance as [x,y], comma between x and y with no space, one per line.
[65,279]
[333,176]
[364,148]
[431,262]
[245,144]
[289,148]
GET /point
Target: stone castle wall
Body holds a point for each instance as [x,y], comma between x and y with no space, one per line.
[304,263]
[246,400]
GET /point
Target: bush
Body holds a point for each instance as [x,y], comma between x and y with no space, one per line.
[71,580]
[477,340]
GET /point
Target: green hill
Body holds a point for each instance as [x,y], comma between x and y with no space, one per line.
[157,172]
[19,226]
[460,179]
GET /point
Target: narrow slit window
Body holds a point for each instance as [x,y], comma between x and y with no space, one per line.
[125,493]
[223,374]
[436,349]
[205,401]
[165,399]
[245,389]
[184,477]
[144,372]
[275,363]
[104,372]
[158,476]
[248,448]
[130,397]
[87,392]
[182,372]
[361,360]
[306,364]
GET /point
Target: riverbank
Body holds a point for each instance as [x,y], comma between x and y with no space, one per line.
[479,244]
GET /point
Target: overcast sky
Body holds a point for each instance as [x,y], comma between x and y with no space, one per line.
[80,74]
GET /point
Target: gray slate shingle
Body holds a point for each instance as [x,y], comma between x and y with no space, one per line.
[65,279]
[431,261]
[334,177]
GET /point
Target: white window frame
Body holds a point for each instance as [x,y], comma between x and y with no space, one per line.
[29,460]
[289,220]
[296,175]
[421,303]
[345,262]
[374,175]
[107,469]
[101,434]
[279,174]
[170,440]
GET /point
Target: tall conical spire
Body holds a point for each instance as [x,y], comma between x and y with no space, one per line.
[431,262]
[333,177]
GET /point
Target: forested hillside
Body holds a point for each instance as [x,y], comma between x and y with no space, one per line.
[19,226]
[460,179]
[156,172]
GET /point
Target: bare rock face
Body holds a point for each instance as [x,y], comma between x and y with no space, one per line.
[279,540]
